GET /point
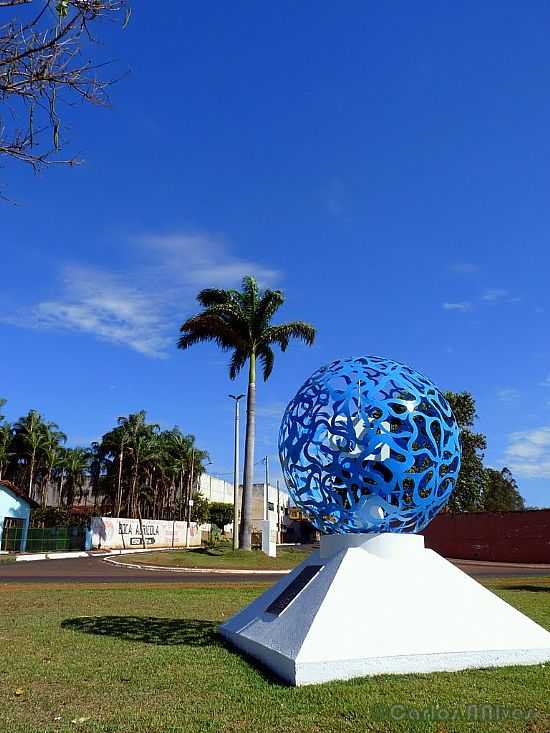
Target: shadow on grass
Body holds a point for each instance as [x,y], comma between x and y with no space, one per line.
[149,630]
[529,588]
[164,632]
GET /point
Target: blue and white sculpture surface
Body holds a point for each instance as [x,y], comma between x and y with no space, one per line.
[370,451]
[369,445]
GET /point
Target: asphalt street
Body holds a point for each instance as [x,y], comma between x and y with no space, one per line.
[96,570]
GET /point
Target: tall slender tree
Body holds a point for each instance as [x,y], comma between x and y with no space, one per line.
[501,493]
[6,437]
[154,474]
[240,321]
[32,437]
[76,464]
[468,494]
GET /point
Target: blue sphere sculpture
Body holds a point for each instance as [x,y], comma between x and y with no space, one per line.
[369,445]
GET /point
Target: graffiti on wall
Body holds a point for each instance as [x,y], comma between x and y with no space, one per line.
[124,533]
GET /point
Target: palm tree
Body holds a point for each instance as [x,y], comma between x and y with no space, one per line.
[32,436]
[75,464]
[53,457]
[6,438]
[240,321]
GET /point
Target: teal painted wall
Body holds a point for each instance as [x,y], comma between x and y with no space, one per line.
[13,506]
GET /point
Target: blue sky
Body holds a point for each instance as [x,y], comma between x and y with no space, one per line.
[387,167]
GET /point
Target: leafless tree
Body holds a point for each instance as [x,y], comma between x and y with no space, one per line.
[44,65]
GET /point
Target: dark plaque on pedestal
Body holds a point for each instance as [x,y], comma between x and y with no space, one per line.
[284,599]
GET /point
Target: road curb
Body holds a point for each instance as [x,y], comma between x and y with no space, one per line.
[31,557]
[198,571]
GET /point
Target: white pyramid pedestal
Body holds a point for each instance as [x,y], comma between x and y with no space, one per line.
[381,604]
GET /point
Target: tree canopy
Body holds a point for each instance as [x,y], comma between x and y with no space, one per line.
[135,467]
[468,494]
[478,488]
[500,493]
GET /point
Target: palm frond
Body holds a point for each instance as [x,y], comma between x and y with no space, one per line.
[205,327]
[238,360]
[283,333]
[267,357]
[214,296]
[270,302]
[249,296]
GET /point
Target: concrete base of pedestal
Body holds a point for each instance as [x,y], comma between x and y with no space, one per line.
[377,604]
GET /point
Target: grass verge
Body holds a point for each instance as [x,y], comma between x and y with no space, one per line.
[223,558]
[133,659]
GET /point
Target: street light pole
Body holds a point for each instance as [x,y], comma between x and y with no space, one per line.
[266,488]
[119,492]
[189,498]
[120,420]
[237,398]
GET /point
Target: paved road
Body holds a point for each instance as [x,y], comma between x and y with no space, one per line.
[95,570]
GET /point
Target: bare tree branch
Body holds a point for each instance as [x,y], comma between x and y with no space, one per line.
[41,65]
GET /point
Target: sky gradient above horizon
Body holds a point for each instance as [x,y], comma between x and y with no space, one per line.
[390,171]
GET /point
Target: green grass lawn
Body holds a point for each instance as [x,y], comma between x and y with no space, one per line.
[222,557]
[148,660]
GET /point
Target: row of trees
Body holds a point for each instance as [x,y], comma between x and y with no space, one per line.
[33,456]
[479,488]
[136,469]
[143,469]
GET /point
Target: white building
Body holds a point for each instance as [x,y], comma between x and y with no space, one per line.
[216,489]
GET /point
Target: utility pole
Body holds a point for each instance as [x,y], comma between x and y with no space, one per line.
[119,489]
[278,514]
[120,420]
[266,488]
[189,498]
[237,398]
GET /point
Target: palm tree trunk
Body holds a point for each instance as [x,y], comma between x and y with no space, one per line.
[31,474]
[133,503]
[45,491]
[245,530]
[61,482]
[140,524]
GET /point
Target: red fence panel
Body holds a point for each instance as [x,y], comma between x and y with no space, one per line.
[522,536]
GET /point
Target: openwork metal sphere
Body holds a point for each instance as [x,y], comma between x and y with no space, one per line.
[369,445]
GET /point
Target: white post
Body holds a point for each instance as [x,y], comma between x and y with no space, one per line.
[278,513]
[269,538]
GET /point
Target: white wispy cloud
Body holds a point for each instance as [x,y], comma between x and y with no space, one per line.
[201,260]
[508,394]
[464,305]
[528,453]
[545,382]
[139,308]
[464,268]
[490,297]
[493,295]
